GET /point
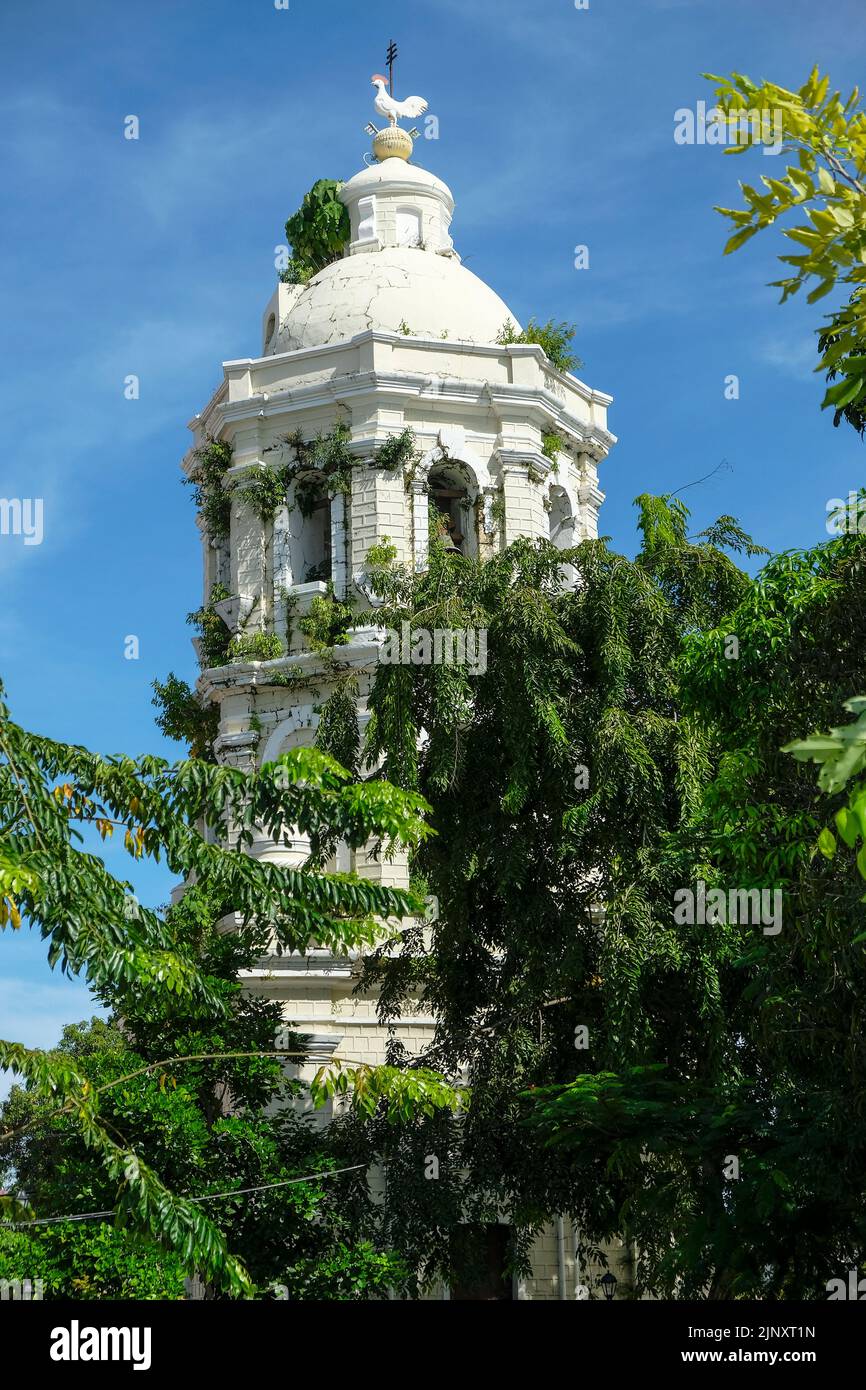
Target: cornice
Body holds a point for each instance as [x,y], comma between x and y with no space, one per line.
[360,655]
[446,346]
[202,417]
[418,386]
[590,495]
[525,459]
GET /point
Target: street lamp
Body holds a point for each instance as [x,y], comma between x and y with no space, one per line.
[608,1285]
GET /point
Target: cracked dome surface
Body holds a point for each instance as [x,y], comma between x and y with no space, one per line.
[393,290]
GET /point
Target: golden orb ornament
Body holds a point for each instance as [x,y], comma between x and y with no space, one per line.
[392,143]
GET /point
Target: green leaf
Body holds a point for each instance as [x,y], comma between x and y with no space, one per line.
[826,182]
[848,827]
[739,239]
[821,290]
[827,843]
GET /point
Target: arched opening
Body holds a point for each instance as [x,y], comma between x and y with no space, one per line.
[320,541]
[452,508]
[561,528]
[408,227]
[560,519]
[311,557]
[296,853]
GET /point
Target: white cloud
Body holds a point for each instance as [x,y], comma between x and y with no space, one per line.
[795,357]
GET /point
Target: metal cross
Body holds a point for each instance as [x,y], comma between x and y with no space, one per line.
[392,54]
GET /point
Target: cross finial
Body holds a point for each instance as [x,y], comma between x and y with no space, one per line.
[389,59]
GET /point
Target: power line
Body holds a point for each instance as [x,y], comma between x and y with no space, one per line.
[210,1197]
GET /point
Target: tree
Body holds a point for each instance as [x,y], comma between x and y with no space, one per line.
[93,925]
[555,340]
[184,716]
[842,756]
[317,233]
[219,1124]
[737,1143]
[556,777]
[732,1157]
[828,184]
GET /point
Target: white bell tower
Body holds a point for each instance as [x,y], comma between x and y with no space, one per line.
[395,333]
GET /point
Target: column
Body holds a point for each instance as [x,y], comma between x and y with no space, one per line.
[420,524]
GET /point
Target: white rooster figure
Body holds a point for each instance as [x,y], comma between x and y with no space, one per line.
[387,106]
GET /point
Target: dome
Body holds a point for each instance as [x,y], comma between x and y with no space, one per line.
[398,289]
[400,273]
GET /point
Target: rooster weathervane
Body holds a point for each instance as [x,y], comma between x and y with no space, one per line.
[393,141]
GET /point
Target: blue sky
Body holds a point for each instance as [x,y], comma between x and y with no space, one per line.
[155,257]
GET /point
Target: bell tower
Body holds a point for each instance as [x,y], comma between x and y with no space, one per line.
[394,335]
